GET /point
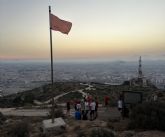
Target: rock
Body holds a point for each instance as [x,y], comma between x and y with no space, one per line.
[152,133]
[102,132]
[56,128]
[127,134]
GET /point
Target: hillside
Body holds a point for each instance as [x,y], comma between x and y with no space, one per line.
[45,93]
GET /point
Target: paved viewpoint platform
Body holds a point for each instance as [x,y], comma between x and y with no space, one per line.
[56,128]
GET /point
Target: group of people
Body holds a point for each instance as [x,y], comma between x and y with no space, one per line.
[85,109]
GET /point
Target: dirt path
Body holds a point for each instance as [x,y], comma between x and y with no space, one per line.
[59,96]
[103,113]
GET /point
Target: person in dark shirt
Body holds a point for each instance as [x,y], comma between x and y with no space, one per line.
[106,101]
[68,107]
[96,109]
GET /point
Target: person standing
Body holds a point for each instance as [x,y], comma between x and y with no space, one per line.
[155,97]
[78,106]
[121,107]
[83,109]
[92,110]
[68,107]
[120,104]
[86,103]
[106,101]
[82,104]
[96,109]
[75,104]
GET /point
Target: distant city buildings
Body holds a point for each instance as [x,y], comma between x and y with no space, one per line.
[19,77]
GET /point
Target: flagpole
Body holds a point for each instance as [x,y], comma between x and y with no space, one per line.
[51,52]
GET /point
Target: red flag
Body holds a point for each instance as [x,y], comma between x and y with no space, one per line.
[59,25]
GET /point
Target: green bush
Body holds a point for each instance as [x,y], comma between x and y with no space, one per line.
[17,101]
[29,98]
[2,118]
[101,132]
[148,116]
[19,129]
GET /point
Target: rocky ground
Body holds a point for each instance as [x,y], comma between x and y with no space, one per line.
[106,120]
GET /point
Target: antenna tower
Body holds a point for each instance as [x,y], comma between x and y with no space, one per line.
[140,74]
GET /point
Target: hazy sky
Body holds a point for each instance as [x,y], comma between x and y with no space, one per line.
[102,29]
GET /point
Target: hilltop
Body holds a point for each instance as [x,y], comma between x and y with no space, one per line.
[108,123]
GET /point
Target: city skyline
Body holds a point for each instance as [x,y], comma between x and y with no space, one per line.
[107,29]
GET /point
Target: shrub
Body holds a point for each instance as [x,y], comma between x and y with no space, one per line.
[2,118]
[29,98]
[101,132]
[148,116]
[19,129]
[160,94]
[81,134]
[17,101]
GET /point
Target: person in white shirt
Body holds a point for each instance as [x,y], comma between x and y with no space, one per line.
[155,97]
[120,104]
[86,106]
[92,109]
[78,106]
